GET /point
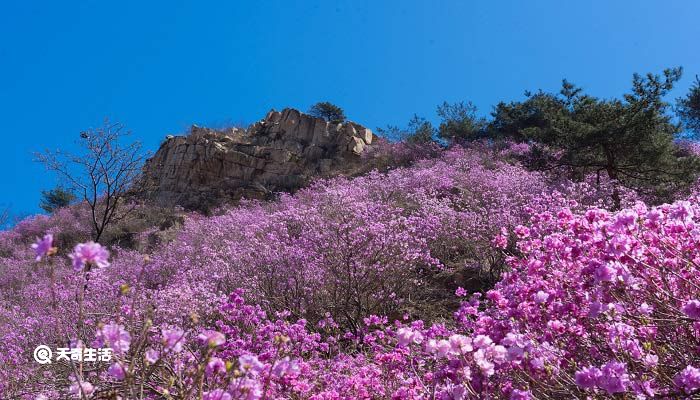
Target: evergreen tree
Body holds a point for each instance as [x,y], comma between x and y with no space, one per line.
[52,200]
[689,107]
[418,131]
[328,111]
[459,122]
[632,139]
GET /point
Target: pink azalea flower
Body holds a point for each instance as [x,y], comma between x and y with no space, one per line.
[285,367]
[614,377]
[215,366]
[86,386]
[688,379]
[692,309]
[44,246]
[587,377]
[217,394]
[117,371]
[212,338]
[152,356]
[114,336]
[89,254]
[541,297]
[520,395]
[173,339]
[250,363]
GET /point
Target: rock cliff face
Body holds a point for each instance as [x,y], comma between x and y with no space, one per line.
[282,152]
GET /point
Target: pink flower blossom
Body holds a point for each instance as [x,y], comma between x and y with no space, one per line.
[460,344]
[250,363]
[217,394]
[212,338]
[692,309]
[43,246]
[87,389]
[89,254]
[520,395]
[605,273]
[408,336]
[540,297]
[117,371]
[285,367]
[688,379]
[587,377]
[152,356]
[115,336]
[482,341]
[215,366]
[173,339]
[614,377]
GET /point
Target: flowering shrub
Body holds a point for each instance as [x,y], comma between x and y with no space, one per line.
[599,303]
[318,295]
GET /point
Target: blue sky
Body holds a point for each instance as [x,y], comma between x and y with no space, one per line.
[160,66]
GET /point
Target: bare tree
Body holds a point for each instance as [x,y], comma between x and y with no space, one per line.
[102,172]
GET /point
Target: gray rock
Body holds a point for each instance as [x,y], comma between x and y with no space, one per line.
[282,152]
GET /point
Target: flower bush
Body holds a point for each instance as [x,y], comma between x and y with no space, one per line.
[318,295]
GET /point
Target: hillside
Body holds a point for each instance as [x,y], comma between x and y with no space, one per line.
[462,275]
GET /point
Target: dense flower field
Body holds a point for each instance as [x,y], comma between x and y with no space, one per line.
[332,293]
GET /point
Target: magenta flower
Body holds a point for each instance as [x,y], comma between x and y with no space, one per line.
[285,367]
[651,360]
[500,241]
[408,336]
[520,395]
[86,386]
[460,344]
[212,338]
[89,254]
[683,211]
[522,231]
[688,379]
[117,371]
[605,273]
[44,247]
[587,378]
[443,348]
[624,220]
[692,309]
[540,297]
[152,356]
[484,363]
[645,309]
[404,336]
[217,394]
[250,363]
[614,377]
[482,341]
[215,366]
[114,336]
[173,339]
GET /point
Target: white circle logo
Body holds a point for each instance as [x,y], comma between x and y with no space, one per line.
[42,354]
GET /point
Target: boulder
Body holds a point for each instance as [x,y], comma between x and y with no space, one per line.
[282,152]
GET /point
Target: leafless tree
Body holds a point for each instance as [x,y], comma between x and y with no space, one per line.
[102,172]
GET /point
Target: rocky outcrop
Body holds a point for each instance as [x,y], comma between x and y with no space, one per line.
[281,152]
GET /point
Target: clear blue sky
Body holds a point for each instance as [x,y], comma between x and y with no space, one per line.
[160,66]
